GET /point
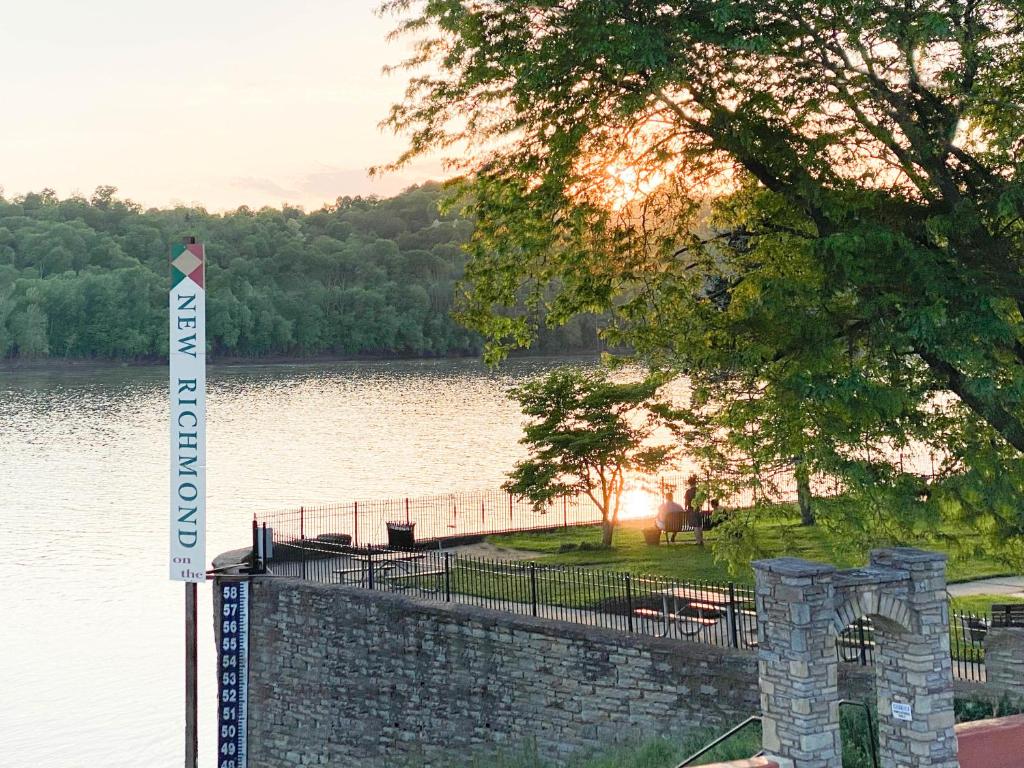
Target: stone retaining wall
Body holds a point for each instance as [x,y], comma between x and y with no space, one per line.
[341,676]
[1004,660]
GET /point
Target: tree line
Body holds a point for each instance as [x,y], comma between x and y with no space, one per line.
[88,278]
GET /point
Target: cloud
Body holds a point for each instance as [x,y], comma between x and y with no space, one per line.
[314,188]
[332,183]
[267,186]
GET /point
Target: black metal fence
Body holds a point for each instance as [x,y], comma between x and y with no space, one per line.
[432,517]
[856,644]
[715,613]
[463,514]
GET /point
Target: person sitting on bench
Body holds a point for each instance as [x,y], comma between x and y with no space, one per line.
[693,514]
[670,517]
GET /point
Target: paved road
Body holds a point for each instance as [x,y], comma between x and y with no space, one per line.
[1001,585]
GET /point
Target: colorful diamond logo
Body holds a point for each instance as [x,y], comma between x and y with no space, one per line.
[187,261]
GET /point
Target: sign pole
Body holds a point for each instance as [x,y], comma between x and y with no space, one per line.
[191,679]
[187,363]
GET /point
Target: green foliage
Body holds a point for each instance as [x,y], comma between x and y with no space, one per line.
[586,433]
[970,709]
[813,208]
[777,533]
[981,605]
[88,279]
[658,752]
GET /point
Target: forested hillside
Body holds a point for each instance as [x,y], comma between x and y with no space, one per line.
[88,279]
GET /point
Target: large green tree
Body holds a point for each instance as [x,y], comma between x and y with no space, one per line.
[812,207]
[586,434]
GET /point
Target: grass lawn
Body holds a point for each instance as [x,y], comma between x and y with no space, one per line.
[667,752]
[778,536]
[662,752]
[981,603]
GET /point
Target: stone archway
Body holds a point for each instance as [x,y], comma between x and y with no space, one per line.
[802,605]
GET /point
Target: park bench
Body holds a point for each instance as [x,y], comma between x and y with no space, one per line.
[688,625]
[746,621]
[712,610]
[344,573]
[362,571]
[400,580]
[683,528]
[1008,615]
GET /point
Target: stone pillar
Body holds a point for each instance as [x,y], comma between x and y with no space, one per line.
[914,675]
[797,663]
[1004,661]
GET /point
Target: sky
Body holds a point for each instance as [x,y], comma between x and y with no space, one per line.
[217,102]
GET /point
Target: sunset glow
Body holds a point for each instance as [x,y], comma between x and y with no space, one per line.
[201,103]
[638,504]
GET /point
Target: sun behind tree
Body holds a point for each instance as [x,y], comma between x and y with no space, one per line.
[587,433]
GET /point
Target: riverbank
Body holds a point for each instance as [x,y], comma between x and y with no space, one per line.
[75,364]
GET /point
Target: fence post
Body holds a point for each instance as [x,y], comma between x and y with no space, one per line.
[266,550]
[255,546]
[447,579]
[305,557]
[731,617]
[629,600]
[355,524]
[483,518]
[369,569]
[510,510]
[533,588]
[565,513]
[407,510]
[302,523]
[863,643]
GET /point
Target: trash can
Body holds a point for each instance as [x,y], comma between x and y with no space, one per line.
[401,535]
[652,536]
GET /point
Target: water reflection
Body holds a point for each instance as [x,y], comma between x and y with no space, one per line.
[91,628]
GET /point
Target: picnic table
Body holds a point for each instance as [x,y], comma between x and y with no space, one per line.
[696,609]
[399,569]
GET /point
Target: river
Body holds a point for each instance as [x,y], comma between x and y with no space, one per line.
[91,633]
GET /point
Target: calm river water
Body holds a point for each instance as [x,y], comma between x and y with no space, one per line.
[91,646]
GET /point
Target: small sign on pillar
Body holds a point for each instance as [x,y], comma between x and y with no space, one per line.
[902,711]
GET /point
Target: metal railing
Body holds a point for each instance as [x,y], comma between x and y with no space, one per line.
[967,633]
[721,740]
[719,614]
[449,515]
[463,514]
[856,644]
[715,613]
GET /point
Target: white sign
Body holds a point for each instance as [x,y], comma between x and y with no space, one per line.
[187,355]
[902,711]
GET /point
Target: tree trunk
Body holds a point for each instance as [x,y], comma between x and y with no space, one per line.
[982,400]
[803,493]
[607,529]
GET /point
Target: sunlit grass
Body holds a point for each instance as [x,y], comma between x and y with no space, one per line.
[981,604]
[780,534]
